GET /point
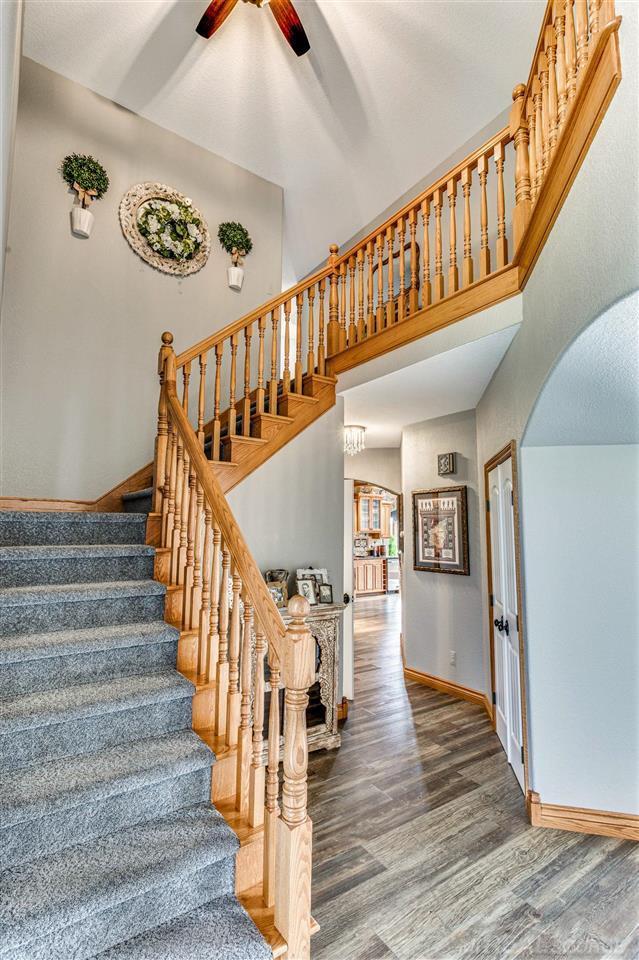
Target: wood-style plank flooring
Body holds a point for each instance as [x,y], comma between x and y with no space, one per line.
[422,849]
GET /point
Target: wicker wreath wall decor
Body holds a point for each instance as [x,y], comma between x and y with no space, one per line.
[164,228]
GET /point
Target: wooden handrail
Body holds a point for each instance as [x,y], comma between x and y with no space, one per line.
[238,325]
[265,609]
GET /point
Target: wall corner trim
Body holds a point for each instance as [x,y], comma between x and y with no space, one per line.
[449,687]
[603,823]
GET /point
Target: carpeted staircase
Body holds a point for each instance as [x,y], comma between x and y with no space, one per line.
[109,845]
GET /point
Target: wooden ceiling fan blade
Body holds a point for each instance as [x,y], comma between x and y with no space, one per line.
[214,16]
[290,25]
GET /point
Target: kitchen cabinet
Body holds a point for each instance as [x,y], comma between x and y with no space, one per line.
[369,514]
[369,575]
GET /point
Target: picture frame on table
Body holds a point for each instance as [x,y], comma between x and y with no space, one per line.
[318,574]
[307,587]
[440,530]
[278,589]
[325,593]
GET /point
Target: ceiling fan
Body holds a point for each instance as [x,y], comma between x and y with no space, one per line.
[283,11]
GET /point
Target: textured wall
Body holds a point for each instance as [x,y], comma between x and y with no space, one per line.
[11,42]
[381,465]
[442,612]
[82,318]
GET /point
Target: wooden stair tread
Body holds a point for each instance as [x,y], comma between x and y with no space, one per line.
[245,832]
[264,919]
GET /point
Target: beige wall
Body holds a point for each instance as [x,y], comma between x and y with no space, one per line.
[82,318]
[10,51]
[380,465]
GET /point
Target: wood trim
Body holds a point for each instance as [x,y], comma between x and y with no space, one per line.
[596,90]
[449,687]
[602,823]
[28,503]
[342,709]
[480,295]
[510,450]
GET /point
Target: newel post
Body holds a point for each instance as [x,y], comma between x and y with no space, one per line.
[332,340]
[294,827]
[161,440]
[519,132]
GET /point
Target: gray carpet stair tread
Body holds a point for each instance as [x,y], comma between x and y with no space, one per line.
[79,592]
[65,551]
[72,885]
[68,517]
[39,646]
[64,704]
[219,930]
[39,790]
[137,495]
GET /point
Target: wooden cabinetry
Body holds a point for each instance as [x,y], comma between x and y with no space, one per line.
[369,514]
[369,575]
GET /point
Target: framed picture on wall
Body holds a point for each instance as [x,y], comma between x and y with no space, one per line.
[440,530]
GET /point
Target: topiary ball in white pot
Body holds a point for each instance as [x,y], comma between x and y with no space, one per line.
[81,221]
[235,277]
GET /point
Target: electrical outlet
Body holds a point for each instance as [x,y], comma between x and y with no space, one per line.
[453,658]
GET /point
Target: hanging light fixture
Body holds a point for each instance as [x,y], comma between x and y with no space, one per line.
[354,439]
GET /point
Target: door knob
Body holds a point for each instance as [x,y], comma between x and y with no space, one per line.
[500,624]
[506,628]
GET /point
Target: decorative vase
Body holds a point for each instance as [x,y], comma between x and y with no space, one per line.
[81,221]
[235,277]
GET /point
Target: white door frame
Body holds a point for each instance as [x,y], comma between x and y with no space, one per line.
[348,674]
[509,451]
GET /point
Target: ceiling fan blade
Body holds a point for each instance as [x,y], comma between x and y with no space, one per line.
[214,16]
[290,25]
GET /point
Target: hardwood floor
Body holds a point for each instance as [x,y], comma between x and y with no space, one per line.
[422,848]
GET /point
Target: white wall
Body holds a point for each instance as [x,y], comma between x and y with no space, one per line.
[10,47]
[442,612]
[581,557]
[82,318]
[379,465]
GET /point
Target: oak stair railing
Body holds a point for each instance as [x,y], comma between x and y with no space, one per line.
[467,241]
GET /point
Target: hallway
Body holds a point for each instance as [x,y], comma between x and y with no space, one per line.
[422,847]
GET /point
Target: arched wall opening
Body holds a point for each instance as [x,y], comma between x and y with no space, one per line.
[579,464]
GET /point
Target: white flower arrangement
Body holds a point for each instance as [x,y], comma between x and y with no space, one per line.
[172,229]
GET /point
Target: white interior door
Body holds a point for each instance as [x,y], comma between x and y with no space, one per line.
[505,627]
[347,637]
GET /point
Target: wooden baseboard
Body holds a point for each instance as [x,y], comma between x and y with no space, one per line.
[342,709]
[451,688]
[603,823]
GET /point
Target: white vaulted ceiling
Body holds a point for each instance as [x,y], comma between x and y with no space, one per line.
[389,89]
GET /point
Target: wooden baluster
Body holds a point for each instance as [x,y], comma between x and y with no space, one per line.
[581,29]
[235,338]
[177,513]
[484,249]
[519,133]
[222,673]
[162,436]
[299,371]
[233,699]
[272,811]
[539,133]
[606,13]
[215,436]
[426,285]
[571,53]
[438,290]
[260,393]
[168,518]
[594,7]
[189,564]
[343,340]
[198,549]
[379,316]
[352,327]
[245,403]
[310,353]
[370,303]
[467,272]
[201,399]
[184,519]
[213,622]
[321,350]
[413,296]
[272,384]
[294,827]
[550,43]
[453,272]
[545,120]
[333,304]
[559,16]
[286,374]
[203,645]
[532,156]
[244,745]
[390,299]
[186,377]
[502,242]
[258,772]
[401,305]
[361,322]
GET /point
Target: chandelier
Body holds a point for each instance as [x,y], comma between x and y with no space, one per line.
[354,439]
